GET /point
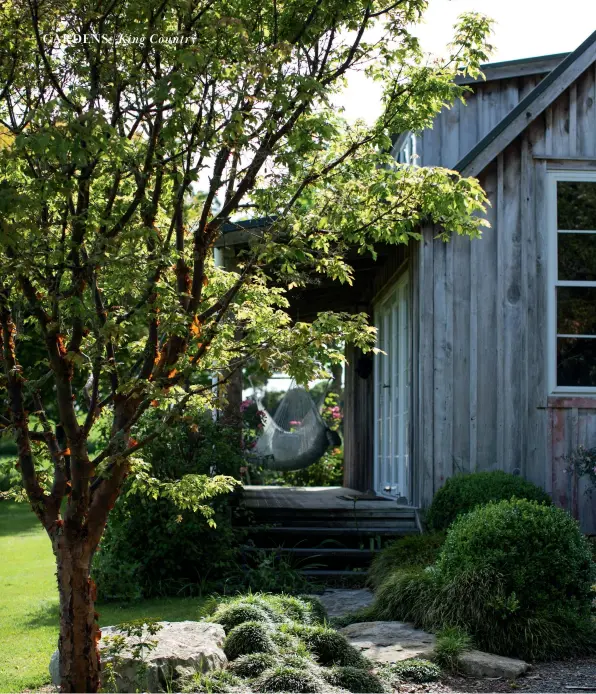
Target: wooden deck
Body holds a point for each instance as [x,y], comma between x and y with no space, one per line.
[313,498]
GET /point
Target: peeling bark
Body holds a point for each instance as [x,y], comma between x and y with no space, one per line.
[79,631]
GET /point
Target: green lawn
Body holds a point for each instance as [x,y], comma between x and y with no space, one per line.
[29,602]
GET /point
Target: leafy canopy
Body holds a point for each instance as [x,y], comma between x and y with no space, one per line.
[131,131]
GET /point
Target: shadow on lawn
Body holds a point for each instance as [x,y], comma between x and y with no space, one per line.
[46,615]
[16,518]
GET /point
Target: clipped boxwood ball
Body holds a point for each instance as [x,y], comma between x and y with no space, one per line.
[250,637]
[230,616]
[416,670]
[332,648]
[252,664]
[354,680]
[288,679]
[538,551]
[463,493]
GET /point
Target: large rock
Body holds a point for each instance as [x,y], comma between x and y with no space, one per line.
[182,648]
[480,664]
[389,642]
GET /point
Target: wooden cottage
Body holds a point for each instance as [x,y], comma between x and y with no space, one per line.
[490,344]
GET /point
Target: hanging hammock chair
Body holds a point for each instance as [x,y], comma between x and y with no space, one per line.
[296,436]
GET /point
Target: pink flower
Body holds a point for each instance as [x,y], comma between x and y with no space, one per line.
[244,405]
[295,423]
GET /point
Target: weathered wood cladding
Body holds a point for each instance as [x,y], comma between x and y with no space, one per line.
[481,317]
[358,421]
[458,129]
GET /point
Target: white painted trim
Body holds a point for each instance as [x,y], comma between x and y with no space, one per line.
[554,176]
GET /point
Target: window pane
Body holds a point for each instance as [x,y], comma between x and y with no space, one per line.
[576,310]
[576,205]
[577,257]
[576,362]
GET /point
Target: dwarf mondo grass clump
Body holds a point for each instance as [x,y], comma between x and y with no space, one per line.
[288,679]
[354,680]
[415,670]
[233,614]
[250,637]
[252,664]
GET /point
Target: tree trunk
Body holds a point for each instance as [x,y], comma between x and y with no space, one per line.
[79,631]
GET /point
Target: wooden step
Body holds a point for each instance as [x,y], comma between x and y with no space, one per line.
[316,551]
[340,530]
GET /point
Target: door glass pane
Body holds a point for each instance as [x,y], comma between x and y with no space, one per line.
[576,205]
[576,310]
[576,362]
[577,257]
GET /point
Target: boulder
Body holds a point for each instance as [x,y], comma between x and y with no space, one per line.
[389,642]
[182,648]
[480,664]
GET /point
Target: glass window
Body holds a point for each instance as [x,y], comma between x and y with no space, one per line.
[575,290]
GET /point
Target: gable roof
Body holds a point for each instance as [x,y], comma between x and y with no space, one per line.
[539,99]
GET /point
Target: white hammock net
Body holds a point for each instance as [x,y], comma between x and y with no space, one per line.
[295,437]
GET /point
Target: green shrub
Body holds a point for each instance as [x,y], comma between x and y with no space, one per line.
[231,615]
[215,682]
[288,679]
[152,548]
[412,550]
[250,637]
[539,552]
[515,576]
[331,647]
[353,680]
[252,664]
[451,643]
[415,670]
[463,493]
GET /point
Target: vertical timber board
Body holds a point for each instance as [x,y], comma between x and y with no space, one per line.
[358,425]
[559,432]
[560,111]
[468,126]
[586,125]
[512,333]
[536,249]
[486,330]
[425,366]
[443,361]
[586,501]
[573,134]
[459,249]
[350,433]
[500,294]
[450,118]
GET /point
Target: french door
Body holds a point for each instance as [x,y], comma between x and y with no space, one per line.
[392,393]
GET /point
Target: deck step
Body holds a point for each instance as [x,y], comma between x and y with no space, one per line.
[321,573]
[316,551]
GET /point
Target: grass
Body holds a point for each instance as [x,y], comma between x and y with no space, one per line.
[29,602]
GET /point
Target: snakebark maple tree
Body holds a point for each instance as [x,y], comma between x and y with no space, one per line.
[113,114]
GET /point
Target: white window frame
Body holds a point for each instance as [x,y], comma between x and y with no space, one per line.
[553,277]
